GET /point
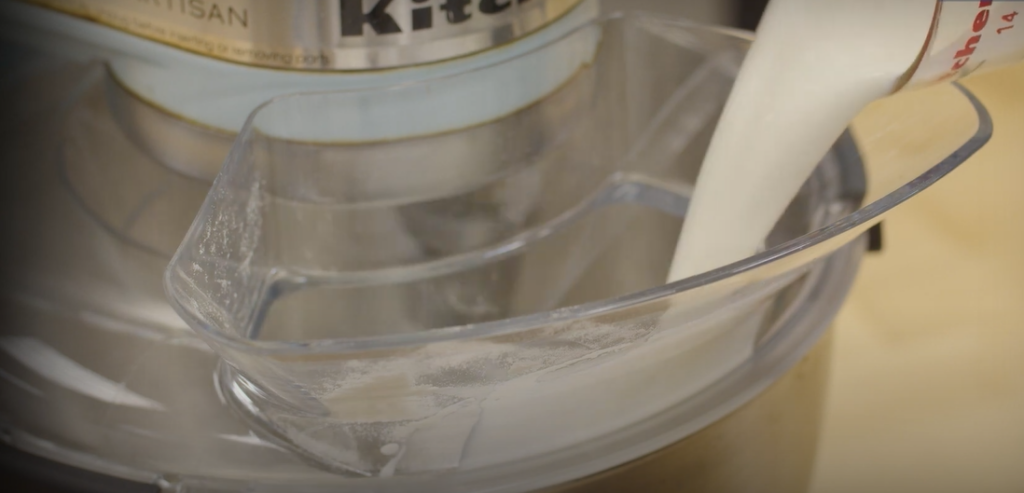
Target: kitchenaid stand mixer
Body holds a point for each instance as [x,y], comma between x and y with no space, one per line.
[471,280]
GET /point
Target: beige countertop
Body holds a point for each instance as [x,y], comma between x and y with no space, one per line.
[927,384]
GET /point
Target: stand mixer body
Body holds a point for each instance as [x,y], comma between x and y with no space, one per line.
[537,133]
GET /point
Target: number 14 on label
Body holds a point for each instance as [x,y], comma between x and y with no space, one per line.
[1008,18]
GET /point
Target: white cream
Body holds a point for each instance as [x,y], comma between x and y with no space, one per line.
[814,66]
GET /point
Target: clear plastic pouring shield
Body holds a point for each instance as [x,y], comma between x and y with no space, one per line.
[405,308]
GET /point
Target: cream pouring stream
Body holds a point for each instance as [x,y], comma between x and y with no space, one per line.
[814,65]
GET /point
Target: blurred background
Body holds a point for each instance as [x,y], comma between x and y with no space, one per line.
[927,385]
